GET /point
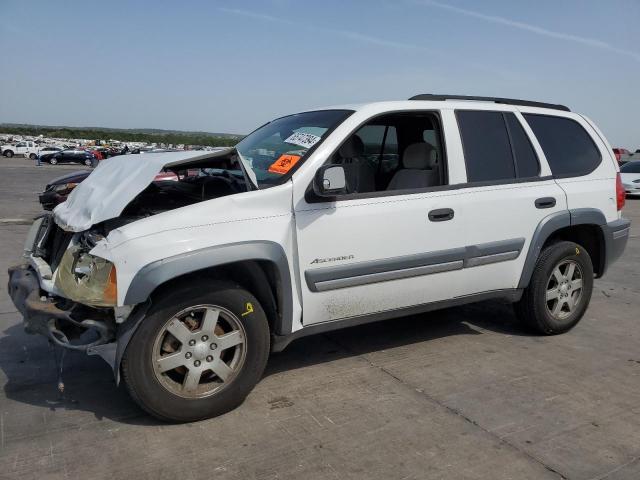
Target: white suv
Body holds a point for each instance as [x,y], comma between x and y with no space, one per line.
[318,221]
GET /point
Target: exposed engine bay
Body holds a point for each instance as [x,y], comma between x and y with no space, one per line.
[73,300]
[192,186]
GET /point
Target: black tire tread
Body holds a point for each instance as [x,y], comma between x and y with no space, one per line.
[529,310]
[231,398]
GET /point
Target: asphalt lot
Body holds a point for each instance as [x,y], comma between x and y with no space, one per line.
[458,394]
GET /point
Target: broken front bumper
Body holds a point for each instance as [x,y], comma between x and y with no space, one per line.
[44,316]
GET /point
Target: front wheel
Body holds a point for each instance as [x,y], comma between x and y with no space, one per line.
[33,156]
[88,162]
[198,353]
[53,161]
[559,290]
[8,154]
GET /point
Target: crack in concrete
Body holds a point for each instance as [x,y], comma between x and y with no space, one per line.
[454,411]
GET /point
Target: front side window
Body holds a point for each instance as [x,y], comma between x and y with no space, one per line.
[568,147]
[276,149]
[394,152]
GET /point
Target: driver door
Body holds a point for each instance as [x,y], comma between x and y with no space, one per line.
[375,253]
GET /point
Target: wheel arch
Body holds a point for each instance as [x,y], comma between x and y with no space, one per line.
[261,267]
[585,226]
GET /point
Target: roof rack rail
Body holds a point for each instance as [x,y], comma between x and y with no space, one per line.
[506,101]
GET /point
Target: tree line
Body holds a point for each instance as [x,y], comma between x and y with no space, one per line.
[174,138]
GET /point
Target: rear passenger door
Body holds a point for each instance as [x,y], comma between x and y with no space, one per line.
[509,191]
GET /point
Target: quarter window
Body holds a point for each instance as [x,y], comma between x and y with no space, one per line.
[568,147]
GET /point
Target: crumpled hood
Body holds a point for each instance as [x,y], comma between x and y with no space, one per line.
[114,183]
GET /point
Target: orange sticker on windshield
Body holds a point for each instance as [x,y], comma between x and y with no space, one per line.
[283,164]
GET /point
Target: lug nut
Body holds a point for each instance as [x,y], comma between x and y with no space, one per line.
[209,358]
[205,338]
[213,346]
[197,363]
[187,355]
[192,342]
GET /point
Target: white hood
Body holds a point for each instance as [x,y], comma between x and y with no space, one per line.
[114,183]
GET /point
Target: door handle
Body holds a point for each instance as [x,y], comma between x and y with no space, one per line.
[440,214]
[545,202]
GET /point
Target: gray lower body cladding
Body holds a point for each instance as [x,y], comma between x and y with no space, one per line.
[362,273]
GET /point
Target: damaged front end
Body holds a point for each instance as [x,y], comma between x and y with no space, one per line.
[70,308]
[66,286]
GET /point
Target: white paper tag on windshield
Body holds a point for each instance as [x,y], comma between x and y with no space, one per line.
[306,140]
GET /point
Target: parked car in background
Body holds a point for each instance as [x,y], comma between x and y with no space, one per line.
[57,190]
[96,153]
[47,150]
[27,149]
[631,157]
[70,156]
[619,152]
[630,175]
[622,155]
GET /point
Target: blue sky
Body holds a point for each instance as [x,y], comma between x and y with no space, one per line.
[229,66]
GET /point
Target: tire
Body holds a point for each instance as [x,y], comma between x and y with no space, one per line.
[163,394]
[553,303]
[33,156]
[8,153]
[53,161]
[88,162]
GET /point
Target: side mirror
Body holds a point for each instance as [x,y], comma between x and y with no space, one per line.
[330,180]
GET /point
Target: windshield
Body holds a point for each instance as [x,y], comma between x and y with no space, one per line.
[273,150]
[631,167]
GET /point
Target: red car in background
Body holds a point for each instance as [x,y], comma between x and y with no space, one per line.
[620,153]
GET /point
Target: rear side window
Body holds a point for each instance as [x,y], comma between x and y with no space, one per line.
[568,147]
[526,159]
[487,150]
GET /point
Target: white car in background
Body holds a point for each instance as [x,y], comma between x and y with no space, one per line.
[630,175]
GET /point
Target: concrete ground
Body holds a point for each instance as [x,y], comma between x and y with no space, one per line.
[458,394]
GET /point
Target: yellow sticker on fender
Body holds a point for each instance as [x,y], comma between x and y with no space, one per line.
[284,163]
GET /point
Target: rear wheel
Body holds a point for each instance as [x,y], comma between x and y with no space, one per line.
[33,156]
[8,154]
[198,353]
[559,291]
[88,162]
[53,161]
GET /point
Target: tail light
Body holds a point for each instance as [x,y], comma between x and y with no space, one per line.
[620,193]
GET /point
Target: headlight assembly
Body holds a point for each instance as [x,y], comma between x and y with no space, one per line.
[65,187]
[86,278]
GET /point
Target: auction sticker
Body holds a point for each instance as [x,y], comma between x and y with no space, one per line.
[284,163]
[306,140]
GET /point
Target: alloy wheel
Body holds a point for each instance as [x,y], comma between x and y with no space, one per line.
[199,351]
[564,289]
